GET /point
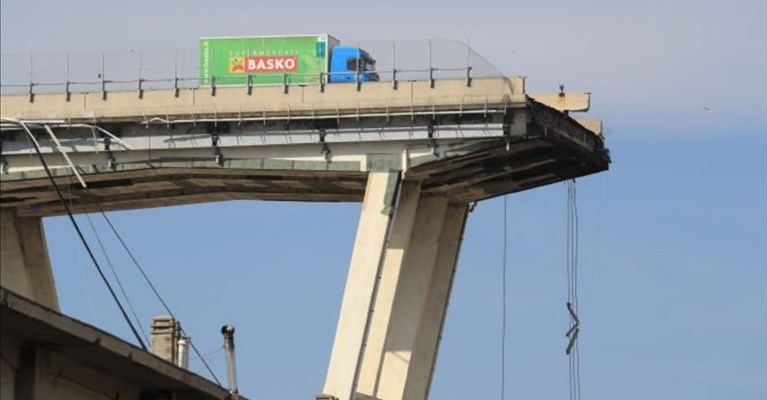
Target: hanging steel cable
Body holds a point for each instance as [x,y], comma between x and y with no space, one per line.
[92,256]
[503,279]
[79,232]
[117,277]
[155,291]
[503,300]
[572,292]
[80,266]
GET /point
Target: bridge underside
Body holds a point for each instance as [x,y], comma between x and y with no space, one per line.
[486,170]
[414,156]
[463,169]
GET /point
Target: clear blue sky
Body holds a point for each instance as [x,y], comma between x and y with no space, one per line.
[673,238]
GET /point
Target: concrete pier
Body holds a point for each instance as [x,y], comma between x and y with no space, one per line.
[416,156]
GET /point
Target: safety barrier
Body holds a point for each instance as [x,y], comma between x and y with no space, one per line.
[145,70]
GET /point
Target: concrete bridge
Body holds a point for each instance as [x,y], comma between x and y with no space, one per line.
[416,154]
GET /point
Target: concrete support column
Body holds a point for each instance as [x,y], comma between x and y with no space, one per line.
[389,352]
[385,311]
[355,307]
[426,346]
[24,264]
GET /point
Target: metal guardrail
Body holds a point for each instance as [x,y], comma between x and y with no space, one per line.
[140,71]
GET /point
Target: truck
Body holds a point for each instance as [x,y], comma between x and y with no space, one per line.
[297,59]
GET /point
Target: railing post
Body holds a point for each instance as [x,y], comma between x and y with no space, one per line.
[103,80]
[393,66]
[67,95]
[140,81]
[175,74]
[357,70]
[249,77]
[468,65]
[212,85]
[285,82]
[431,69]
[31,84]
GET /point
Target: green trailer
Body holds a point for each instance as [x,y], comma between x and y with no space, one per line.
[261,60]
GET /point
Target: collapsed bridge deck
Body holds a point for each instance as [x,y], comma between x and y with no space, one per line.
[467,142]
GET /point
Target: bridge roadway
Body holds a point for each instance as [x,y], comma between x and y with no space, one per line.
[416,154]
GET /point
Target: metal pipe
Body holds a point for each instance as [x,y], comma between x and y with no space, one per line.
[66,157]
[183,352]
[231,371]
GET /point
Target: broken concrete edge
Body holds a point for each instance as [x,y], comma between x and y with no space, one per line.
[96,337]
[569,132]
[594,125]
[565,102]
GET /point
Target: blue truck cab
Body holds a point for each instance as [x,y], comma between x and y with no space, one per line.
[347,62]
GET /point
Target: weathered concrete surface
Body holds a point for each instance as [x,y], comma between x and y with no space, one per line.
[47,355]
[437,295]
[389,353]
[165,332]
[392,258]
[24,264]
[371,239]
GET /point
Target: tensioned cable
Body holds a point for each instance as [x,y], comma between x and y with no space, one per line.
[82,237]
[80,262]
[93,258]
[117,277]
[155,291]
